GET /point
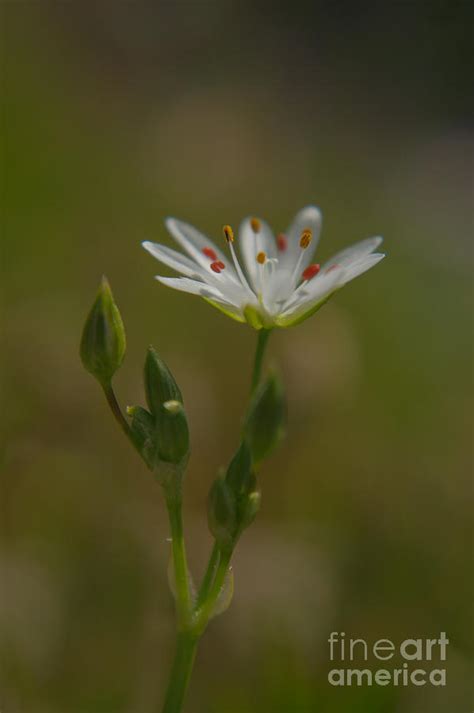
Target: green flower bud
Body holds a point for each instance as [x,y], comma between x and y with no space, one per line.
[172,433]
[239,472]
[160,385]
[103,339]
[249,509]
[143,433]
[265,421]
[221,513]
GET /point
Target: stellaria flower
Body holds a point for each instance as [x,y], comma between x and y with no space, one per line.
[275,283]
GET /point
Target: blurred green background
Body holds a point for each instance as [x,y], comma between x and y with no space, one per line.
[117,114]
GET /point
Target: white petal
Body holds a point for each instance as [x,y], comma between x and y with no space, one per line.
[322,286]
[194,242]
[317,289]
[307,218]
[360,266]
[204,290]
[353,253]
[251,244]
[177,261]
[194,287]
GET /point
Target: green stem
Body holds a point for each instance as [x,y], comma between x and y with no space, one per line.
[203,614]
[181,672]
[263,335]
[183,595]
[208,576]
[116,410]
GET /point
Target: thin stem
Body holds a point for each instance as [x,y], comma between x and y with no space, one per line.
[204,612]
[263,335]
[181,672]
[183,595]
[116,410]
[208,576]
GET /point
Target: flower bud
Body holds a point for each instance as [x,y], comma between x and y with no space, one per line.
[160,385]
[249,509]
[103,338]
[221,513]
[239,472]
[143,430]
[264,425]
[172,433]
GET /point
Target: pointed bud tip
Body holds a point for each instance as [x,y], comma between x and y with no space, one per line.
[103,341]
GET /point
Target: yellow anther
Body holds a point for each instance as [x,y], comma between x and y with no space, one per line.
[306,237]
[229,233]
[256,225]
[261,258]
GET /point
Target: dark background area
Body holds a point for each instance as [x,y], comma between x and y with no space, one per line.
[117,114]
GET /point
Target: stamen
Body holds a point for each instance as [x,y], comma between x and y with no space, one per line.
[210,253]
[305,239]
[228,233]
[217,266]
[261,258]
[220,264]
[310,272]
[282,242]
[255,225]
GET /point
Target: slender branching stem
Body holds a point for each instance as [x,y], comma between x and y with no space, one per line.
[262,339]
[209,575]
[204,612]
[116,410]
[193,618]
[185,654]
[180,565]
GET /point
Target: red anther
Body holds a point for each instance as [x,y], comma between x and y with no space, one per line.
[311,271]
[331,267]
[216,266]
[220,264]
[210,253]
[282,242]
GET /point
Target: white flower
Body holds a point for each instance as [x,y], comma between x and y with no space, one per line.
[275,283]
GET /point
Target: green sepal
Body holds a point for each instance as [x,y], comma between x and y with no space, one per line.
[225,311]
[172,433]
[103,340]
[249,509]
[160,385]
[266,418]
[302,316]
[222,513]
[253,317]
[142,425]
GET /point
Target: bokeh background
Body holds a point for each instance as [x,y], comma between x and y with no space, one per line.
[117,114]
